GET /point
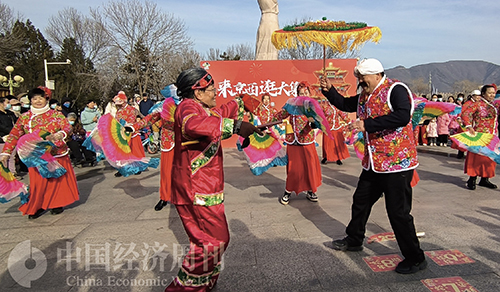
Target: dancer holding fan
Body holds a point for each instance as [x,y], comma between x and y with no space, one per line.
[45,193]
[129,114]
[481,116]
[303,171]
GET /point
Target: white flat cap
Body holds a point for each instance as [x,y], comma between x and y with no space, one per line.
[369,66]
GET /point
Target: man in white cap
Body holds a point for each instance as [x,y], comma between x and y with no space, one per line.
[384,108]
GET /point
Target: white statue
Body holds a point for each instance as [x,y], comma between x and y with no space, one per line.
[264,49]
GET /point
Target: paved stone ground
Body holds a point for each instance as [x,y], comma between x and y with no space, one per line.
[105,241]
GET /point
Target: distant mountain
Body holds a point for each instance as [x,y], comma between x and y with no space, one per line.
[447,77]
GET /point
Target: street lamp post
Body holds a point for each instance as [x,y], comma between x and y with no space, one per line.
[10,82]
[50,83]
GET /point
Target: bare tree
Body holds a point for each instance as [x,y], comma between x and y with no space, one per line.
[465,86]
[213,54]
[9,42]
[419,86]
[131,21]
[232,52]
[132,25]
[88,33]
[171,65]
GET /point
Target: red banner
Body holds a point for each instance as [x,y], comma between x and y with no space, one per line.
[278,78]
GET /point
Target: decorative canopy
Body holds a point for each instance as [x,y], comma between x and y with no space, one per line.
[337,35]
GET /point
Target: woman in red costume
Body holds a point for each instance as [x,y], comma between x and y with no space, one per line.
[45,193]
[167,154]
[481,116]
[128,114]
[198,188]
[265,112]
[303,171]
[336,149]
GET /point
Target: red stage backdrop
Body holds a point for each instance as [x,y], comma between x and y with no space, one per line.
[278,78]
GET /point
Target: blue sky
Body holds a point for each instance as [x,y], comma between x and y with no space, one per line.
[413,32]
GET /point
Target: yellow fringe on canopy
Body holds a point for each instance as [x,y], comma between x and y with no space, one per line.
[339,41]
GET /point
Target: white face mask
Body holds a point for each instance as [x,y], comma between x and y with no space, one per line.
[440,99]
[16,108]
[53,106]
[26,105]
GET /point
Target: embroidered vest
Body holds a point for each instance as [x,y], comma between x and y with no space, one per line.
[390,150]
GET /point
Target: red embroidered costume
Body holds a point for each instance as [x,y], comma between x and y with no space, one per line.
[265,113]
[198,189]
[167,154]
[336,149]
[482,117]
[46,193]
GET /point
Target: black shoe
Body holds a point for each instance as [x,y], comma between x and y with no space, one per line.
[343,245]
[324,161]
[339,162]
[37,214]
[311,196]
[118,174]
[285,198]
[471,183]
[56,211]
[138,173]
[460,155]
[160,205]
[407,267]
[484,182]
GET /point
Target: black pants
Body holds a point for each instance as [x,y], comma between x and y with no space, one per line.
[79,152]
[442,140]
[398,199]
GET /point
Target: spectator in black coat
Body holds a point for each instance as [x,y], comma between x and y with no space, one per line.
[7,121]
[145,104]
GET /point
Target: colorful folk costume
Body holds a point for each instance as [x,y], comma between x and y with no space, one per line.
[334,149]
[388,164]
[482,117]
[198,188]
[167,153]
[303,171]
[265,113]
[128,114]
[46,193]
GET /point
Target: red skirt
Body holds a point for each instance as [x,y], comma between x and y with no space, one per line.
[50,193]
[136,147]
[167,158]
[423,134]
[336,149]
[303,171]
[479,165]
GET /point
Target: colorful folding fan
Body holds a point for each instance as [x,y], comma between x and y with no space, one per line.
[357,140]
[110,141]
[168,109]
[34,151]
[482,143]
[263,152]
[303,105]
[11,188]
